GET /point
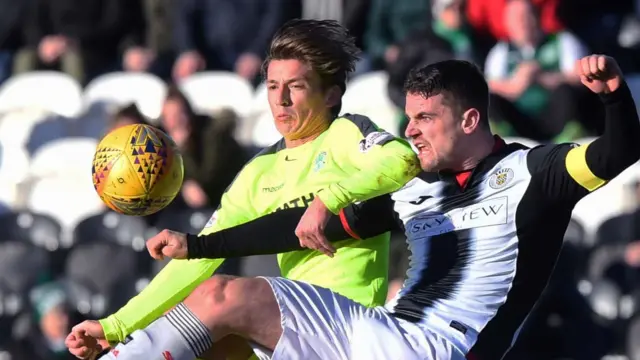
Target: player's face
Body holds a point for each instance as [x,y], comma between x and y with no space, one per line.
[299,105]
[433,129]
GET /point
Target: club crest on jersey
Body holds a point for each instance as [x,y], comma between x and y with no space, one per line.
[320,161]
[375,138]
[501,178]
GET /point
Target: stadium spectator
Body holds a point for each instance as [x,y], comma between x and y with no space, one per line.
[531,79]
[389,23]
[154,53]
[83,38]
[127,115]
[484,16]
[11,22]
[212,157]
[53,317]
[352,14]
[230,35]
[447,37]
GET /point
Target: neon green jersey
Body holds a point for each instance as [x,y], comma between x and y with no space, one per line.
[351,161]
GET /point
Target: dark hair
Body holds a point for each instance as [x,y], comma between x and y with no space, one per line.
[460,82]
[174,94]
[325,45]
[130,111]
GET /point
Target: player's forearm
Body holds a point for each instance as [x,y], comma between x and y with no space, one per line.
[389,168]
[168,288]
[618,147]
[275,233]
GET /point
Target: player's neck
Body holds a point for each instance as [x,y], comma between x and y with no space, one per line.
[476,150]
[307,135]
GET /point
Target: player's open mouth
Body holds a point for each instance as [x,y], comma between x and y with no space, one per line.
[422,148]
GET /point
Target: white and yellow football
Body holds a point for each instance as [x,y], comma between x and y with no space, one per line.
[137,170]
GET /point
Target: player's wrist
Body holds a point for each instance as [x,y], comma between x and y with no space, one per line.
[110,329]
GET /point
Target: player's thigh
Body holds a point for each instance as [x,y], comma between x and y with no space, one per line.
[380,336]
[231,347]
[234,305]
[315,322]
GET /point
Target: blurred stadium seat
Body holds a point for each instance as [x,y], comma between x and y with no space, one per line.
[49,130]
[211,91]
[111,227]
[264,132]
[367,95]
[39,230]
[14,164]
[49,90]
[109,271]
[122,88]
[16,125]
[22,265]
[610,200]
[68,199]
[186,221]
[64,156]
[260,100]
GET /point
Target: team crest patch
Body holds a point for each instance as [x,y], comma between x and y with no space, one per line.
[320,161]
[501,178]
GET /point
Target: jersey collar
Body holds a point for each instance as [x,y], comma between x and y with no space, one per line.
[464,178]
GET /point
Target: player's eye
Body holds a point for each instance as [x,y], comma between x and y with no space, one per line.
[297,86]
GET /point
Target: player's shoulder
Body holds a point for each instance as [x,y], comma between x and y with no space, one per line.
[543,157]
[362,128]
[259,163]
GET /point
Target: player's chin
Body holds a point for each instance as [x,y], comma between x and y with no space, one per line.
[428,163]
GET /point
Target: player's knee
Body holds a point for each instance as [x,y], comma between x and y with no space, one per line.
[212,292]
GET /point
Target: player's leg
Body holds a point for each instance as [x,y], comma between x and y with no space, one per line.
[221,306]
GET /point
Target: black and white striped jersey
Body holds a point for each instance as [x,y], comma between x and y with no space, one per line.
[481,252]
[483,243]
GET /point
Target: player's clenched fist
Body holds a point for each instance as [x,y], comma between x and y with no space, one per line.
[168,243]
[84,340]
[600,73]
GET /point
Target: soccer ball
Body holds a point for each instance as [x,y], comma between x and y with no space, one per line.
[137,170]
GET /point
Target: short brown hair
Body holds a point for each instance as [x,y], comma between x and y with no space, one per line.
[325,45]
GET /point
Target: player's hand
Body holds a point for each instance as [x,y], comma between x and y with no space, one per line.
[84,340]
[310,229]
[168,243]
[599,73]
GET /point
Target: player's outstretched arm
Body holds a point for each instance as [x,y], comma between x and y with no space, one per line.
[275,233]
[570,171]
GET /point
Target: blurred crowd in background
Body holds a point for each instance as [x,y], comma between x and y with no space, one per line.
[71,70]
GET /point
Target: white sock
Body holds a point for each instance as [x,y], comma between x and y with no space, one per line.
[179,335]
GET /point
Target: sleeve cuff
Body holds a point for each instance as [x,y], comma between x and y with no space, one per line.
[619,95]
[109,328]
[330,201]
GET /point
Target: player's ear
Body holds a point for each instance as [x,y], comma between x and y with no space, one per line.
[470,120]
[332,96]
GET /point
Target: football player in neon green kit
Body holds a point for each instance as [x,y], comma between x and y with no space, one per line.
[324,162]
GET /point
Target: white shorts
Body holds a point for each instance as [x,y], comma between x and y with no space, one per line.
[320,324]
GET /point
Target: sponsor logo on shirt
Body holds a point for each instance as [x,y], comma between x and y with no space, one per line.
[167,355]
[375,138]
[271,189]
[302,201]
[487,213]
[501,178]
